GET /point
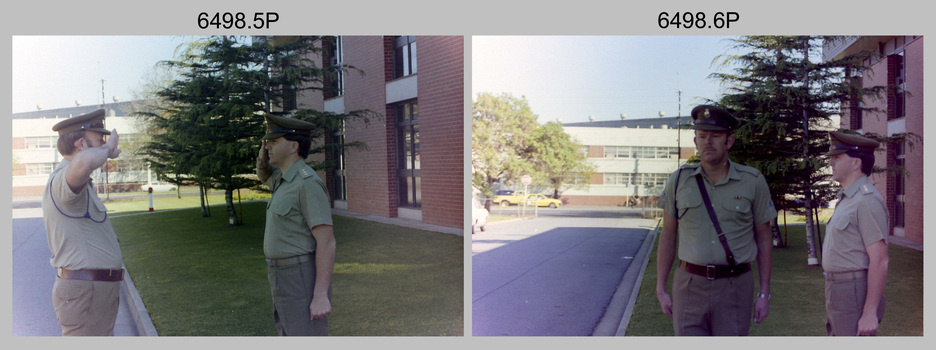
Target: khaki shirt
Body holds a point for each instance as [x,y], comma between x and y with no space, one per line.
[741,201]
[860,220]
[299,203]
[76,241]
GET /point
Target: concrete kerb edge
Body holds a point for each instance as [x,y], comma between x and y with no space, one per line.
[141,317]
[617,316]
[644,256]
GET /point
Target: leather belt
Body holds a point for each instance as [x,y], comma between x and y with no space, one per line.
[92,275]
[295,260]
[715,271]
[845,276]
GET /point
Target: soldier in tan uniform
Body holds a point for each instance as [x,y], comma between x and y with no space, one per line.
[854,253]
[713,288]
[298,240]
[85,251]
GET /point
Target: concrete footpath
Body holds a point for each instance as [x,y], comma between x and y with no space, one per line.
[33,277]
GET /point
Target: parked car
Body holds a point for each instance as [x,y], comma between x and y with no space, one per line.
[541,200]
[508,197]
[479,215]
[159,187]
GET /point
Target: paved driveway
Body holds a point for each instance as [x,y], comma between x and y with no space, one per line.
[553,275]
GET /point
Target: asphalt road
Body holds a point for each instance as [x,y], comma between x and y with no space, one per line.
[554,275]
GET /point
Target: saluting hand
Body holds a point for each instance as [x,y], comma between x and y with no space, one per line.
[262,157]
[112,144]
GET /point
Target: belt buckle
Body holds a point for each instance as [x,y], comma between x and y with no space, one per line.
[710,272]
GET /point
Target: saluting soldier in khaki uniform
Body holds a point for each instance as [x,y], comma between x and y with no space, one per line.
[713,288]
[85,251]
[854,253]
[298,240]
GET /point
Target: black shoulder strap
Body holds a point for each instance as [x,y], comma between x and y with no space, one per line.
[676,188]
[711,213]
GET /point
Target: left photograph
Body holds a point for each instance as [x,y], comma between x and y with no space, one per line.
[238,186]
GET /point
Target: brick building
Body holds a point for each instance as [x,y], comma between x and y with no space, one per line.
[414,167]
[899,64]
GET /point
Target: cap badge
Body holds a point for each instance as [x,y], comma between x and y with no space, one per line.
[706,114]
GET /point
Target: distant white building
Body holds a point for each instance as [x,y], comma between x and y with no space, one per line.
[35,153]
[633,158]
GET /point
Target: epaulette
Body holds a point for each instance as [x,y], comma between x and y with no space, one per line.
[748,169]
[306,172]
[867,188]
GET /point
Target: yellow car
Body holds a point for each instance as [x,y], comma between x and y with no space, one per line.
[541,200]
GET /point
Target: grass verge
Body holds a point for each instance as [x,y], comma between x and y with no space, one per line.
[797,306]
[200,276]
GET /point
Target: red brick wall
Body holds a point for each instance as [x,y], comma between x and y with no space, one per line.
[442,128]
[368,171]
[913,229]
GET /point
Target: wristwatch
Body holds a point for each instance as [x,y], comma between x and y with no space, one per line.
[764,296]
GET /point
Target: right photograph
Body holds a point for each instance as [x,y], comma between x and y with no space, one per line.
[697,185]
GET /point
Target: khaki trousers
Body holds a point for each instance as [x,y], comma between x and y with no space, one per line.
[844,305]
[292,288]
[86,307]
[718,307]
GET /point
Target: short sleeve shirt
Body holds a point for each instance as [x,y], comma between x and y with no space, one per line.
[299,203]
[79,232]
[741,201]
[860,220]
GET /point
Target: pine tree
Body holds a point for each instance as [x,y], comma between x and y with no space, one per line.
[784,97]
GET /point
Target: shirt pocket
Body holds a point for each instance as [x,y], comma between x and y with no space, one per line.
[284,205]
[840,222]
[690,211]
[738,209]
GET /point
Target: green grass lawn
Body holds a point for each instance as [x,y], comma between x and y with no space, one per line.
[200,276]
[797,306]
[169,200]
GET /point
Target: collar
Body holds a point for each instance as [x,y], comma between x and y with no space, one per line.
[293,170]
[732,171]
[855,186]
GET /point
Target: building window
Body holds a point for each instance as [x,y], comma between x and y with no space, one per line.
[41,142]
[38,168]
[644,152]
[407,130]
[901,83]
[899,185]
[404,56]
[335,58]
[341,189]
[635,179]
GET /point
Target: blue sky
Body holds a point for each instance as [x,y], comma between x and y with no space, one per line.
[54,71]
[574,77]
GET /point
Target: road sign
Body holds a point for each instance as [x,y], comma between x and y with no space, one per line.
[526,179]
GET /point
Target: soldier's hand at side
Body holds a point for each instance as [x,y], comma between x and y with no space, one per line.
[666,303]
[320,307]
[112,144]
[867,324]
[761,309]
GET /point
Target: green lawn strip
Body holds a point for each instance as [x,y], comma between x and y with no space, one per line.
[797,307]
[201,276]
[172,201]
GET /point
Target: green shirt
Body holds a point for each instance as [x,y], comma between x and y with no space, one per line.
[299,203]
[741,201]
[860,220]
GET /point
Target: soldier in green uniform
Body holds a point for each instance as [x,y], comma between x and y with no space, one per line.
[713,288]
[298,240]
[854,253]
[85,251]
